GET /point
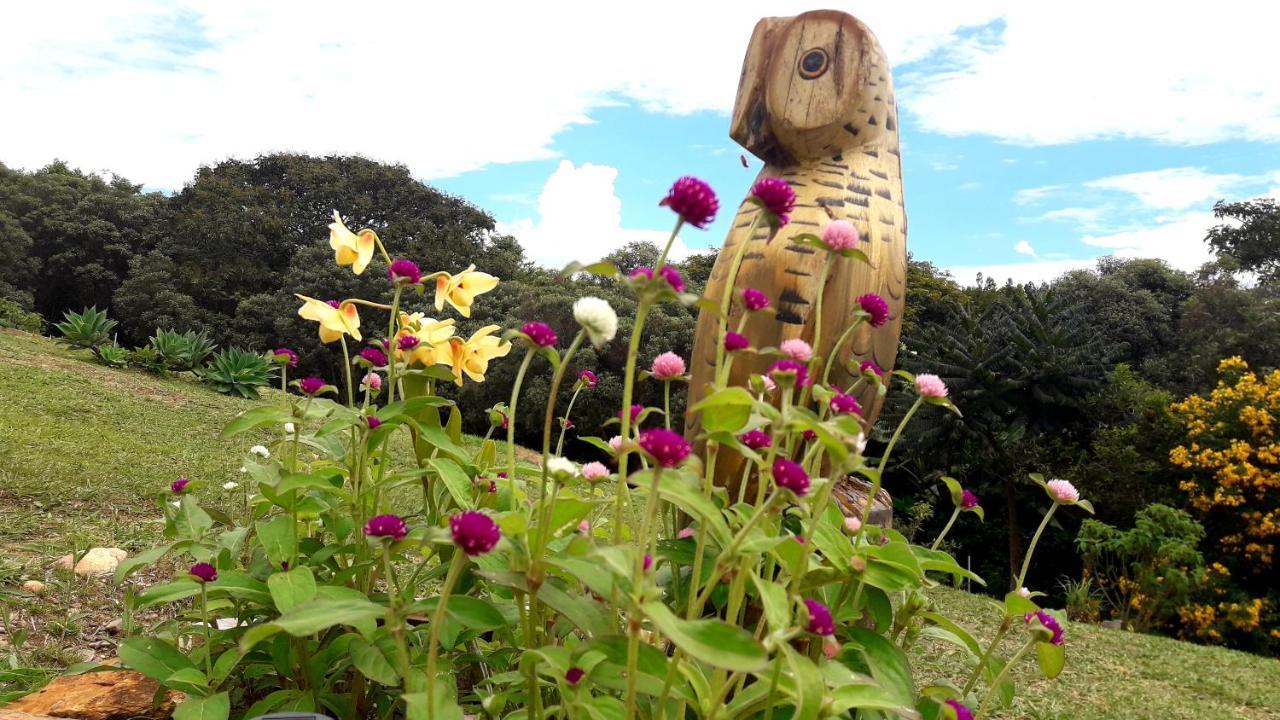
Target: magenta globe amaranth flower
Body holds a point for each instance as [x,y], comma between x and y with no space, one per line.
[776,195]
[733,342]
[790,475]
[667,447]
[755,439]
[311,385]
[408,342]
[840,235]
[842,404]
[667,366]
[754,300]
[574,675]
[334,304]
[1063,491]
[179,485]
[587,378]
[285,356]
[635,413]
[789,371]
[644,271]
[372,421]
[391,526]
[672,276]
[647,562]
[796,349]
[404,271]
[870,366]
[968,500]
[820,620]
[204,572]
[693,200]
[374,356]
[1050,623]
[539,334]
[930,386]
[474,532]
[962,712]
[875,306]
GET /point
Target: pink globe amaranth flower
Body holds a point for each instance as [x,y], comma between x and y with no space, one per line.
[644,271]
[796,349]
[693,200]
[566,423]
[840,235]
[799,539]
[372,422]
[667,366]
[574,675]
[875,306]
[391,526]
[334,304]
[372,380]
[769,384]
[809,435]
[853,524]
[777,197]
[667,447]
[615,443]
[635,413]
[754,300]
[790,371]
[587,378]
[870,366]
[672,276]
[790,475]
[474,532]
[962,712]
[540,334]
[820,620]
[733,342]
[1063,491]
[756,439]
[1050,623]
[204,572]
[842,404]
[594,471]
[285,356]
[404,271]
[407,342]
[178,486]
[374,356]
[830,649]
[647,562]
[584,527]
[311,385]
[685,533]
[930,386]
[968,500]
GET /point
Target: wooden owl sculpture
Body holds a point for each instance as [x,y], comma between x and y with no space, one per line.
[815,103]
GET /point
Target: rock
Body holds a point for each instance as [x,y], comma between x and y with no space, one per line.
[108,695]
[1112,624]
[98,561]
[850,494]
[7,714]
[35,587]
[114,627]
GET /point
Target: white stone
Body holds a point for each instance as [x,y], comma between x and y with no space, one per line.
[35,587]
[98,561]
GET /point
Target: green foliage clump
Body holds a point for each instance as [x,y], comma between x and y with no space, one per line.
[238,372]
[90,329]
[13,315]
[180,352]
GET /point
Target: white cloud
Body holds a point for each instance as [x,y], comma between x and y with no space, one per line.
[1086,217]
[1024,248]
[1036,195]
[1018,272]
[1177,240]
[580,218]
[1173,188]
[1109,69]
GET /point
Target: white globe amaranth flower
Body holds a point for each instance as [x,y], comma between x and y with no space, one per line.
[561,467]
[260,451]
[597,317]
[289,428]
[230,485]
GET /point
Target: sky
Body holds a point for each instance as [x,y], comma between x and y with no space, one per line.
[1037,137]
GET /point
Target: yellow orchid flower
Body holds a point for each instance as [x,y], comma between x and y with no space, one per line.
[334,321]
[473,355]
[461,290]
[354,249]
[433,336]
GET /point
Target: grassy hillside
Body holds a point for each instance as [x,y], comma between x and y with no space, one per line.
[85,449]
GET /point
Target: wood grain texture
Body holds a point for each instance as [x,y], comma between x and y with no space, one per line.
[834,137]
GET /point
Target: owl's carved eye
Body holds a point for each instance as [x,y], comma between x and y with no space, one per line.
[813,63]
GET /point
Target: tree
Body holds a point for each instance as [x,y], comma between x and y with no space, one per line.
[1252,241]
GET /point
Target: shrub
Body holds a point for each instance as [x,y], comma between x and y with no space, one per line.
[438,580]
[88,329]
[13,315]
[182,351]
[149,359]
[112,355]
[238,372]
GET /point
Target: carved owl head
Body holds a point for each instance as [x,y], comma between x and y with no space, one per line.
[812,86]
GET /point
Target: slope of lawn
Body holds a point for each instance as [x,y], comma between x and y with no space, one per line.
[84,450]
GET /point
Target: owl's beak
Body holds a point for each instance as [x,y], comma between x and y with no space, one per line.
[750,122]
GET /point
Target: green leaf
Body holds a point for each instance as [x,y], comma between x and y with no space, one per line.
[153,657]
[456,481]
[568,511]
[239,586]
[291,589]
[1086,506]
[888,665]
[1018,606]
[725,410]
[966,640]
[582,611]
[320,614]
[370,660]
[777,611]
[167,592]
[808,685]
[214,707]
[189,680]
[446,704]
[277,537]
[864,697]
[689,499]
[957,492]
[197,520]
[146,557]
[256,417]
[711,641]
[1051,658]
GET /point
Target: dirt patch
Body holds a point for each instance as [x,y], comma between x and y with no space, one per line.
[123,379]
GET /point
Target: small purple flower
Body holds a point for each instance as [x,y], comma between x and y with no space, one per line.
[1050,623]
[968,500]
[285,356]
[734,342]
[647,562]
[667,366]
[179,485]
[820,620]
[962,712]
[791,371]
[809,435]
[870,366]
[755,439]
[672,276]
[635,412]
[374,356]
[776,196]
[842,404]
[204,572]
[790,475]
[311,385]
[372,421]
[875,306]
[506,423]
[407,342]
[643,271]
[391,526]
[587,378]
[574,675]
[693,200]
[404,271]
[540,334]
[667,447]
[474,532]
[754,300]
[334,304]
[566,423]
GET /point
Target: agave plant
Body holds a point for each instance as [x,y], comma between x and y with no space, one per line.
[89,329]
[182,351]
[112,355]
[238,372]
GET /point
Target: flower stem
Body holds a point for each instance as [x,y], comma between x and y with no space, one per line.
[208,632]
[666,403]
[391,339]
[835,350]
[1026,561]
[346,372]
[938,541]
[564,427]
[433,650]
[726,298]
[995,684]
[511,425]
[628,391]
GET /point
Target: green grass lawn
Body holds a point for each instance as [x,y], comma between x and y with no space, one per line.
[85,449]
